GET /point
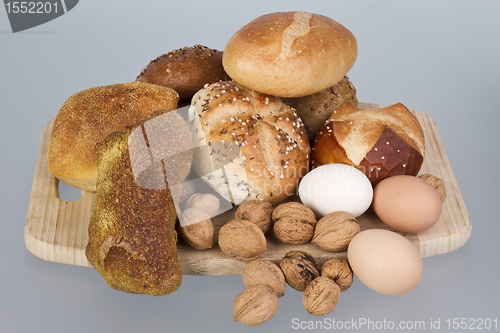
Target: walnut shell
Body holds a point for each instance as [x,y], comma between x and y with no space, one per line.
[258,212]
[255,305]
[437,183]
[207,202]
[293,223]
[187,190]
[197,229]
[335,231]
[321,296]
[242,240]
[299,268]
[263,272]
[339,271]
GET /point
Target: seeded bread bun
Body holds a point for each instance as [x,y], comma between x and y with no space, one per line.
[315,109]
[185,70]
[290,54]
[251,145]
[88,116]
[381,142]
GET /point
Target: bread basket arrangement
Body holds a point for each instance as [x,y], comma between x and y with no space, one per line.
[258,161]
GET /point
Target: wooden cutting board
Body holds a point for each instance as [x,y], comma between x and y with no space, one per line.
[56,230]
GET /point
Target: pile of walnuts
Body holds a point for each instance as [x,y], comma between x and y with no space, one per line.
[244,239]
[292,223]
[265,284]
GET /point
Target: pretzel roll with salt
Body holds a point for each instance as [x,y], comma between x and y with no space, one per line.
[247,145]
[381,142]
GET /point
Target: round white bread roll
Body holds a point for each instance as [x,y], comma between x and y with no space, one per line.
[247,145]
[290,54]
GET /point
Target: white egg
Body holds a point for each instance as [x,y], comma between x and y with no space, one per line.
[336,187]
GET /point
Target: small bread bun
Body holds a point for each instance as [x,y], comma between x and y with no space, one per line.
[251,146]
[290,54]
[88,116]
[315,109]
[380,142]
[185,70]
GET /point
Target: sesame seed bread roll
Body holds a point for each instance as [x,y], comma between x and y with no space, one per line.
[290,54]
[381,142]
[251,145]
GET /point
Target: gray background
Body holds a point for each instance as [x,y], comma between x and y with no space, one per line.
[439,57]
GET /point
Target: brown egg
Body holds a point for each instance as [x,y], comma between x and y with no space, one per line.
[385,261]
[407,203]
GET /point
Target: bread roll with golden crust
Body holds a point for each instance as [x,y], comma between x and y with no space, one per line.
[315,109]
[88,116]
[259,141]
[290,54]
[380,142]
[185,70]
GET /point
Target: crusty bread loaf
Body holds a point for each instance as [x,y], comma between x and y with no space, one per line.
[380,142]
[88,116]
[290,54]
[185,70]
[132,237]
[257,145]
[315,109]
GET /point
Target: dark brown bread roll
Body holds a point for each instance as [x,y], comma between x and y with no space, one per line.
[315,109]
[185,70]
[380,142]
[132,237]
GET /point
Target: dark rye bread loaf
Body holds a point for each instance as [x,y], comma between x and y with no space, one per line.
[185,70]
[132,237]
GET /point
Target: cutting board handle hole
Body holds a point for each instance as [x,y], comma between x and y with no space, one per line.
[68,193]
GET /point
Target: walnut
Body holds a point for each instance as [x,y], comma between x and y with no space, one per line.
[255,305]
[339,271]
[256,211]
[187,190]
[242,240]
[437,183]
[299,268]
[264,272]
[293,223]
[334,231]
[197,229]
[207,202]
[321,296]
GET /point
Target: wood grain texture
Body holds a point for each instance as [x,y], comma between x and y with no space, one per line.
[56,230]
